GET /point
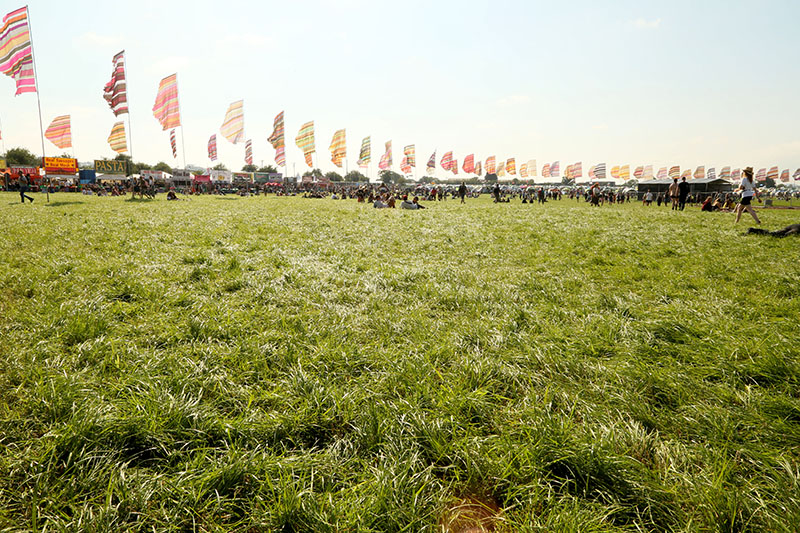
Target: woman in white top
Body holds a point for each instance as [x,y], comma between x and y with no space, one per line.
[747,190]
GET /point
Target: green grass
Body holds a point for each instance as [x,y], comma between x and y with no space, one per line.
[281,364]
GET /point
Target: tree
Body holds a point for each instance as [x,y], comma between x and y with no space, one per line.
[269,169]
[567,181]
[220,166]
[249,168]
[333,176]
[388,177]
[490,177]
[22,157]
[769,182]
[355,176]
[427,179]
[315,173]
[163,167]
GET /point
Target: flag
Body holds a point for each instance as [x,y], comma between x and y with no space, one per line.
[615,171]
[454,166]
[478,168]
[469,164]
[591,172]
[173,144]
[248,151]
[625,172]
[568,172]
[773,173]
[233,125]
[648,172]
[638,173]
[431,166]
[546,170]
[59,132]
[117,138]
[305,141]
[386,159]
[600,171]
[523,170]
[736,175]
[554,169]
[338,148]
[785,175]
[674,172]
[410,153]
[577,170]
[662,173]
[491,165]
[796,175]
[700,172]
[511,166]
[276,140]
[167,109]
[405,166]
[447,160]
[16,52]
[712,173]
[115,91]
[725,173]
[761,175]
[501,169]
[532,168]
[212,147]
[365,156]
[687,173]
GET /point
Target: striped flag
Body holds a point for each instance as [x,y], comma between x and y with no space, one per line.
[761,175]
[468,166]
[687,173]
[447,160]
[405,167]
[117,138]
[638,173]
[773,173]
[554,169]
[248,152]
[712,173]
[648,172]
[338,148]
[276,140]
[233,125]
[725,173]
[615,172]
[167,109]
[625,172]
[785,175]
[305,141]
[568,172]
[16,51]
[532,168]
[59,132]
[700,172]
[491,167]
[523,170]
[546,170]
[173,143]
[501,169]
[431,166]
[577,170]
[600,171]
[365,156]
[386,158]
[511,166]
[796,175]
[736,175]
[115,91]
[662,173]
[454,166]
[212,147]
[410,153]
[478,168]
[591,172]
[674,172]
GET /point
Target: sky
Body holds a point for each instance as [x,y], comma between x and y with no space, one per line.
[680,82]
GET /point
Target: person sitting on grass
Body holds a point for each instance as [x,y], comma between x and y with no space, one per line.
[791,229]
[405,204]
[416,202]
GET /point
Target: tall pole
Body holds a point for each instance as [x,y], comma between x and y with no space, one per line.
[128,92]
[38,100]
[183,139]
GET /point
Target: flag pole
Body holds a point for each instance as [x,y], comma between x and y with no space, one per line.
[183,139]
[38,100]
[127,95]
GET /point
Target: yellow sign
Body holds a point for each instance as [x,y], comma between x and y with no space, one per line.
[58,165]
[3,163]
[111,167]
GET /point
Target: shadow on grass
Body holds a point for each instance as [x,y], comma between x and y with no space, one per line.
[59,204]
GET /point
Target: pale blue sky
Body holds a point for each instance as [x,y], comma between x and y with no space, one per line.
[625,82]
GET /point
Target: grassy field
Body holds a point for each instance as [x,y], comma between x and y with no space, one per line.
[287,364]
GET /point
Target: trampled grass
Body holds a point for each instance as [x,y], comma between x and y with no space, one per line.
[288,364]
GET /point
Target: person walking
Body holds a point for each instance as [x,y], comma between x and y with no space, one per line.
[748,191]
[462,191]
[674,193]
[683,192]
[24,181]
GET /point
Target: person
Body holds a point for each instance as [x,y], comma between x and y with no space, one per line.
[683,192]
[24,181]
[791,229]
[405,204]
[496,192]
[748,191]
[648,198]
[462,191]
[171,195]
[674,193]
[707,205]
[416,202]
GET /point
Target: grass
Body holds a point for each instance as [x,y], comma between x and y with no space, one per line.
[281,364]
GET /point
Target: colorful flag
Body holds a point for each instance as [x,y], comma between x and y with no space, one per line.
[173,143]
[365,156]
[386,159]
[405,167]
[577,170]
[523,170]
[674,172]
[59,132]
[478,168]
[117,138]
[712,173]
[447,160]
[546,170]
[212,147]
[725,173]
[338,148]
[600,171]
[591,172]
[615,172]
[638,173]
[554,169]
[410,153]
[431,166]
[648,172]
[785,175]
[233,125]
[491,165]
[276,140]
[511,166]
[16,53]
[700,172]
[532,168]
[167,109]
[773,173]
[305,141]
[454,166]
[796,175]
[568,172]
[736,175]
[115,91]
[501,169]
[662,173]
[625,172]
[469,164]
[687,173]
[761,175]
[248,151]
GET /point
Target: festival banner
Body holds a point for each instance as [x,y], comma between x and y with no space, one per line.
[662,173]
[491,165]
[447,161]
[59,132]
[674,172]
[248,152]
[687,173]
[700,172]
[386,158]
[233,124]
[577,170]
[532,168]
[712,173]
[305,141]
[736,175]
[405,167]
[431,166]
[546,170]
[523,170]
[454,166]
[772,173]
[338,148]
[478,168]
[501,169]
[725,173]
[511,166]
[600,171]
[625,172]
[277,141]
[167,108]
[648,172]
[591,172]
[785,175]
[365,155]
[115,91]
[212,147]
[554,169]
[60,165]
[117,139]
[16,51]
[638,172]
[469,164]
[615,172]
[173,143]
[796,175]
[410,152]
